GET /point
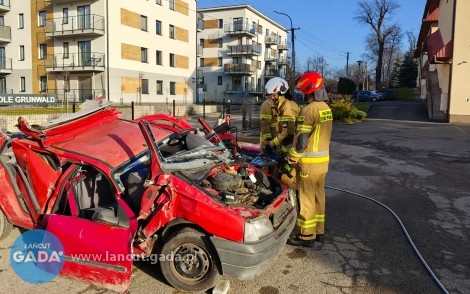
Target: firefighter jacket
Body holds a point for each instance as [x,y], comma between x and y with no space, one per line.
[312,137]
[287,114]
[268,121]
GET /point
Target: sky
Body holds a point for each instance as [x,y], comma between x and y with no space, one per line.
[327,27]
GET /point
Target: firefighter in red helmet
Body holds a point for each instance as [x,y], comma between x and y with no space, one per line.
[310,156]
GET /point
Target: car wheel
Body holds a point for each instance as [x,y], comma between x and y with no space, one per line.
[193,262]
[5,226]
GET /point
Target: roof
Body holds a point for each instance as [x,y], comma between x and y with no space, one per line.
[112,143]
[242,6]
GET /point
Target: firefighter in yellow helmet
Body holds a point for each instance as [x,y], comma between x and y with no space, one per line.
[287,112]
[310,156]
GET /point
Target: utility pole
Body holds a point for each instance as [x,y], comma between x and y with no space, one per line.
[292,30]
[347,64]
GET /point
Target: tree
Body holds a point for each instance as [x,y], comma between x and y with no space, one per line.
[376,14]
[346,86]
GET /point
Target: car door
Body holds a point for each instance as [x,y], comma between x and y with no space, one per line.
[97,250]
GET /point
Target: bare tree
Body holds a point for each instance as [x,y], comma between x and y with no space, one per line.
[376,14]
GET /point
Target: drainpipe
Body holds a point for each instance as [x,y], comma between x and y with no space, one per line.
[452,63]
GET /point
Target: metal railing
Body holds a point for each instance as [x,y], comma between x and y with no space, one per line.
[270,39]
[76,95]
[243,49]
[5,5]
[239,68]
[76,61]
[5,64]
[5,34]
[268,56]
[240,29]
[89,23]
[271,73]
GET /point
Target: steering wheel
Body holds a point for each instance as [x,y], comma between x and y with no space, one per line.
[176,138]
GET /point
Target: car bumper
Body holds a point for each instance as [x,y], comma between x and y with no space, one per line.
[245,261]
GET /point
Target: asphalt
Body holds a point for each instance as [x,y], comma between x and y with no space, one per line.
[418,168]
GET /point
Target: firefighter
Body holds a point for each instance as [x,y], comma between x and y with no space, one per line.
[287,112]
[268,121]
[310,156]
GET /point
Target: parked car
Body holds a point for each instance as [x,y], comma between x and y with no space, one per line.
[366,96]
[386,94]
[104,185]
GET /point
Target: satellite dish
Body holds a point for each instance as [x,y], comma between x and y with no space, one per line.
[200,15]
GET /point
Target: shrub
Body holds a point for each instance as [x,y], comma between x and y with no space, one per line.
[341,109]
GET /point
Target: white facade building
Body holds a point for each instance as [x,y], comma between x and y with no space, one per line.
[239,50]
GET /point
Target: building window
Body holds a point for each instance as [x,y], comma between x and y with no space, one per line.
[143,55]
[21,21]
[219,61]
[201,62]
[260,29]
[172,88]
[65,49]
[160,87]
[221,23]
[172,60]
[219,80]
[2,21]
[158,57]
[42,51]
[143,23]
[172,4]
[172,31]
[267,32]
[159,2]
[158,27]
[221,42]
[65,15]
[145,86]
[22,84]
[43,84]
[42,18]
[21,52]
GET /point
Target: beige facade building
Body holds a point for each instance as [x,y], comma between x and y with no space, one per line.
[125,51]
[443,50]
[239,50]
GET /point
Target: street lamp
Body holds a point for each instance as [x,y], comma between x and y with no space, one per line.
[292,29]
[359,62]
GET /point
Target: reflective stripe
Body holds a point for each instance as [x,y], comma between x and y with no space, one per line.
[285,149]
[320,218]
[316,154]
[304,128]
[314,160]
[274,125]
[301,118]
[266,116]
[303,175]
[267,136]
[287,118]
[276,142]
[325,115]
[316,139]
[306,224]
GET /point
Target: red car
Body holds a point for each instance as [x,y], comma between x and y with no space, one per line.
[108,186]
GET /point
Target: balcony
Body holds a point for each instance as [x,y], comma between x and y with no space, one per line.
[74,26]
[269,57]
[5,66]
[199,50]
[283,60]
[239,69]
[76,62]
[243,50]
[270,40]
[256,89]
[234,88]
[270,73]
[5,5]
[200,25]
[61,1]
[5,34]
[240,29]
[282,46]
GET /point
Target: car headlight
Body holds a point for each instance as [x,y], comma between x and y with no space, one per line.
[256,229]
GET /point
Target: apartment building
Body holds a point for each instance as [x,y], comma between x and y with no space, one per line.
[239,50]
[142,51]
[444,57]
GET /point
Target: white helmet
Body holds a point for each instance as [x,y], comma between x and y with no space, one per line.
[276,85]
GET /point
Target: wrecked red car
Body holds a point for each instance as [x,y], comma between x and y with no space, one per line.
[102,185]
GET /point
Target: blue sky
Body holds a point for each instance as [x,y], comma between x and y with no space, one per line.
[327,27]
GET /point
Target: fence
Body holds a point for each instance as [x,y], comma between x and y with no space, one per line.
[35,114]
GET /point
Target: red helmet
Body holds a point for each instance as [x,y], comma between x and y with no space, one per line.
[309,82]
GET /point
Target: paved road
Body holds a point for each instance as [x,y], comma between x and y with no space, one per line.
[419,169]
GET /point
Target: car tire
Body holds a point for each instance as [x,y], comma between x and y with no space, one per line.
[196,269]
[5,226]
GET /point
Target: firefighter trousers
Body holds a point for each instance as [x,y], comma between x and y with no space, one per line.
[311,197]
